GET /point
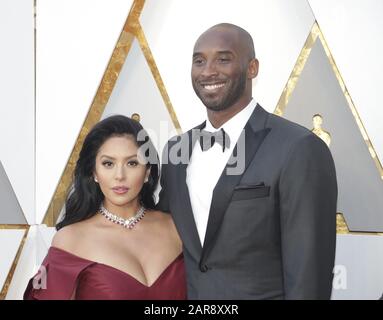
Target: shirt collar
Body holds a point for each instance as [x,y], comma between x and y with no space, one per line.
[233,127]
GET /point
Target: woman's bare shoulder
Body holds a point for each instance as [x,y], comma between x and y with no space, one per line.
[164,222]
[69,237]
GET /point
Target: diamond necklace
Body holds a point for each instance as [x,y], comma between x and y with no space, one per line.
[126,223]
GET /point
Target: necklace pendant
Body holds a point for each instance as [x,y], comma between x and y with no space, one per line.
[127,224]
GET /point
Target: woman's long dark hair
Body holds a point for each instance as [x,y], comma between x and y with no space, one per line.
[85,196]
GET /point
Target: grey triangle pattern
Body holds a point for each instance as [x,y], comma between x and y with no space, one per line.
[359,183]
[11,212]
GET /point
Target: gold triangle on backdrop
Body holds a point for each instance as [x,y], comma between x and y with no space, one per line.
[131,30]
[314,35]
[8,279]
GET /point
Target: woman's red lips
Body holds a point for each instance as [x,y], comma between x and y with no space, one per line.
[120,190]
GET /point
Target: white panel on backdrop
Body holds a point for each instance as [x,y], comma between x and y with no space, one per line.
[359,265]
[46,235]
[75,40]
[17,150]
[136,92]
[34,251]
[26,266]
[10,241]
[279,29]
[353,30]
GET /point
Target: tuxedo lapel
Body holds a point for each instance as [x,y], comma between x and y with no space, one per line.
[185,218]
[254,133]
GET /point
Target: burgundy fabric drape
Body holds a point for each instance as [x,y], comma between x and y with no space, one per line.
[66,272]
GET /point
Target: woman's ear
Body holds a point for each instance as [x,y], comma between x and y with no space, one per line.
[147,174]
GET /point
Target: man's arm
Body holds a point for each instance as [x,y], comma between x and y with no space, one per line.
[308,196]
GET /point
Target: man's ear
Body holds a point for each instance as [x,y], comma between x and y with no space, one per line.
[252,70]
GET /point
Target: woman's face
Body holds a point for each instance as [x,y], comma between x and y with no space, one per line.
[120,172]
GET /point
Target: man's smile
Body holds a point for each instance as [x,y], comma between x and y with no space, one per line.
[213,86]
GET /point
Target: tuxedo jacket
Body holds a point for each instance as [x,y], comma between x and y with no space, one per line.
[271,230]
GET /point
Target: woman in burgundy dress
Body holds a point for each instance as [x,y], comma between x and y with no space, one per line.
[112,243]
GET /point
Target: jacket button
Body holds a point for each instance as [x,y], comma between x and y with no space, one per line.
[204,268]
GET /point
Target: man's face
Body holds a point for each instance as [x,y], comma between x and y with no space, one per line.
[219,69]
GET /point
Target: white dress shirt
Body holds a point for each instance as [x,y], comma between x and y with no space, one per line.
[205,167]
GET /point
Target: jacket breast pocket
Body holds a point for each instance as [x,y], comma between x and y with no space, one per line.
[246,192]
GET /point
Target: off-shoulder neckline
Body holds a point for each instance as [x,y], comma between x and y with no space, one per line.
[118,270]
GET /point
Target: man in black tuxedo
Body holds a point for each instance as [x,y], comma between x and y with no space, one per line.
[255,201]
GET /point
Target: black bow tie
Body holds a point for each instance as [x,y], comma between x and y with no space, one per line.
[207,139]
